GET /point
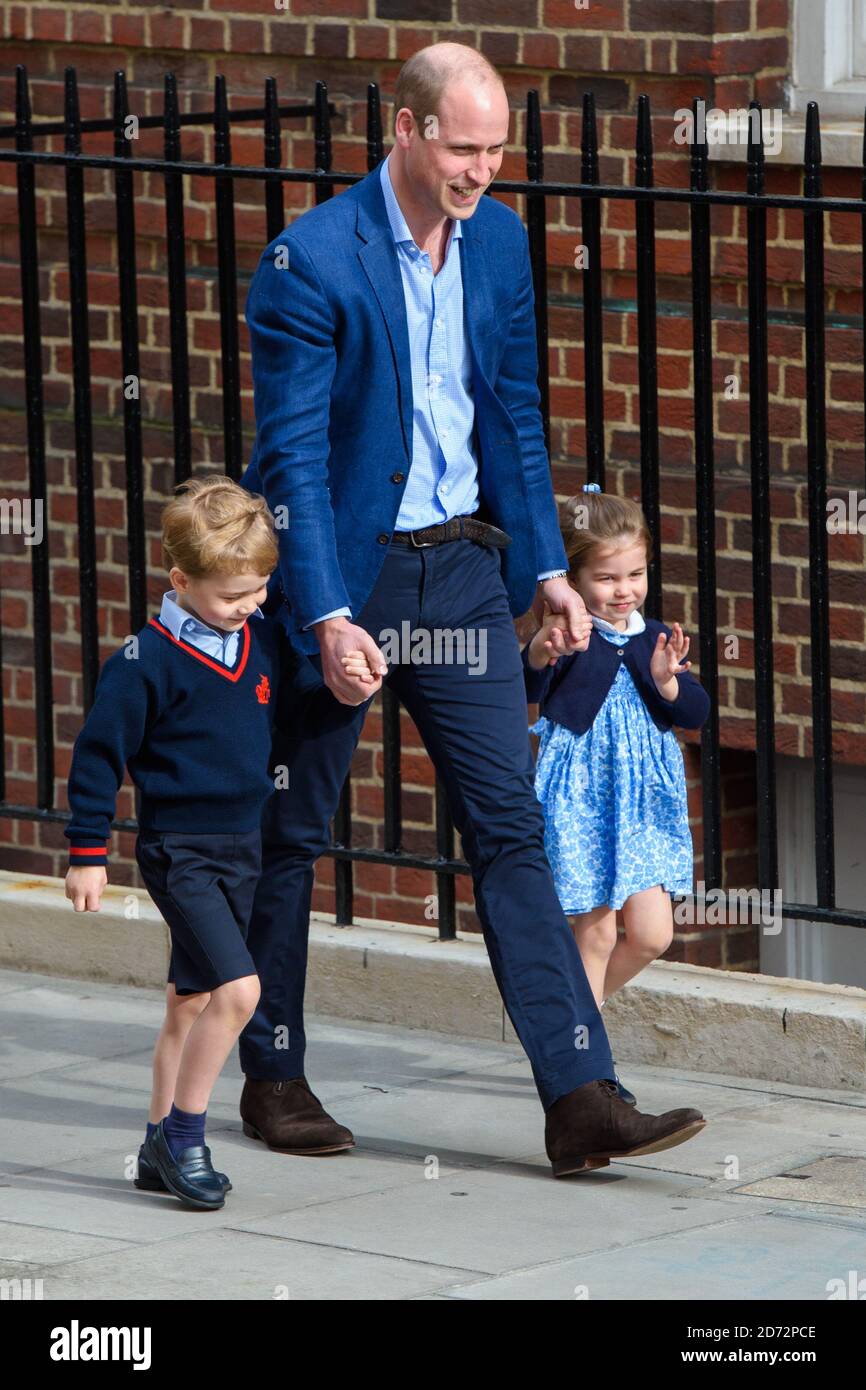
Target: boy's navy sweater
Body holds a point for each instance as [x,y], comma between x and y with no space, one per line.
[195,735]
[573,691]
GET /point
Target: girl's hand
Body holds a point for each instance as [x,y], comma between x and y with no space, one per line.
[355,663]
[552,641]
[84,886]
[668,661]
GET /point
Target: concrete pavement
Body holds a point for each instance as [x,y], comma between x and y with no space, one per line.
[448,1194]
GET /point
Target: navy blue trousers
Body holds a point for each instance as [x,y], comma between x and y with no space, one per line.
[204,886]
[474,726]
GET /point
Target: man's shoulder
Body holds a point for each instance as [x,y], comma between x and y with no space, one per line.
[498,218]
[333,217]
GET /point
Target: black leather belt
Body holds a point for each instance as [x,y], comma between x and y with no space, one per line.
[455,529]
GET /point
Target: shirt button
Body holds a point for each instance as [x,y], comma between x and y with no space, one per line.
[383,539]
[397,477]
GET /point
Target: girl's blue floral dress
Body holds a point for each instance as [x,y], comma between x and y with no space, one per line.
[614,798]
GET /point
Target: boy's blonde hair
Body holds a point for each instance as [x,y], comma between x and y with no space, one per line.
[214,526]
[599,520]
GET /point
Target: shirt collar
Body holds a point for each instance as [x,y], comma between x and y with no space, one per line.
[636,624]
[172,616]
[399,226]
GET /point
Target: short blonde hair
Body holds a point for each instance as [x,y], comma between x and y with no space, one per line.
[424,77]
[606,523]
[214,526]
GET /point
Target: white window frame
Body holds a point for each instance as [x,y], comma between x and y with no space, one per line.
[806,950]
[829,47]
[858,47]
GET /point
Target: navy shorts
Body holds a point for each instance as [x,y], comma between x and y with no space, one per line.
[203,884]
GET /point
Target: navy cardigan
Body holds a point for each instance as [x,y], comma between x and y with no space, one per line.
[573,691]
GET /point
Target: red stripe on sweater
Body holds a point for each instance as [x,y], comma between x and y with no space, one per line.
[200,656]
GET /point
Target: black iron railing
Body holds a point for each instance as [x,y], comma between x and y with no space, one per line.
[698,197]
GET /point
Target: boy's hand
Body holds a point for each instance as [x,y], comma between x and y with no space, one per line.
[337,637]
[84,886]
[668,661]
[356,663]
[550,642]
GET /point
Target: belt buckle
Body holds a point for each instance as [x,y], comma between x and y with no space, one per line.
[421,545]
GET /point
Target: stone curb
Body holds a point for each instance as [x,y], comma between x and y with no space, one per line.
[680,1016]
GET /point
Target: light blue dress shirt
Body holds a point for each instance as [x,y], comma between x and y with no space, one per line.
[443,477]
[222,646]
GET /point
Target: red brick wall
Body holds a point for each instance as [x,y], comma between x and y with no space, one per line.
[724,50]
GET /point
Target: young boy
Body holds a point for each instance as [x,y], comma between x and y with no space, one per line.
[188,706]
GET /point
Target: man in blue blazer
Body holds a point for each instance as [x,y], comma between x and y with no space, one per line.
[400,447]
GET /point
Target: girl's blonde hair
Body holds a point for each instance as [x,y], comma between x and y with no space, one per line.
[599,520]
[214,526]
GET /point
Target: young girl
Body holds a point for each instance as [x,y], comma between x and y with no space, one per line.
[610,772]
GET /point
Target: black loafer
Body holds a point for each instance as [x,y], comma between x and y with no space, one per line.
[148,1178]
[190,1176]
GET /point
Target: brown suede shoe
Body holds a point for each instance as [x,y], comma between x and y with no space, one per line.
[589,1126]
[287,1117]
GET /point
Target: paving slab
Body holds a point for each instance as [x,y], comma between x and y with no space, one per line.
[763,1258]
[448,1194]
[499,1218]
[228,1264]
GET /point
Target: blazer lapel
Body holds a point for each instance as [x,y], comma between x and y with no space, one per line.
[378,257]
[478,296]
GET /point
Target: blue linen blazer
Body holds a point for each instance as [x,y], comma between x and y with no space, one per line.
[332,390]
[573,691]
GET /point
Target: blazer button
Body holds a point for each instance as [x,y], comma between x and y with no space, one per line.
[397,477]
[383,539]
[620,652]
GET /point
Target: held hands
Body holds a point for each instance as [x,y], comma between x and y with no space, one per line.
[668,661]
[84,887]
[550,642]
[565,628]
[356,663]
[352,664]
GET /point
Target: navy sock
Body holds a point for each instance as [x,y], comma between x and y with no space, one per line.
[150,1129]
[183,1129]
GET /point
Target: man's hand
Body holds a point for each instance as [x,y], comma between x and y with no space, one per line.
[337,639]
[84,885]
[565,601]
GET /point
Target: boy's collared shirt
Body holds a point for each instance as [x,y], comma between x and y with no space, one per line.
[223,646]
[162,712]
